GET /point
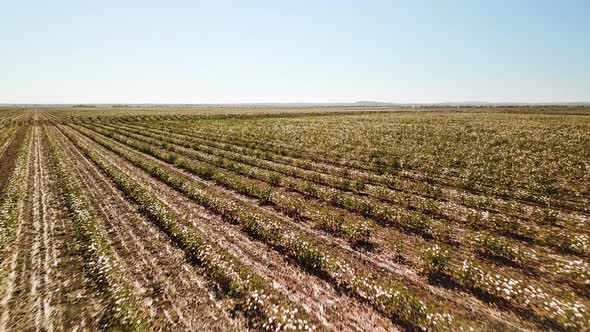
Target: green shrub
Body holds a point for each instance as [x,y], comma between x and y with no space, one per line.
[435,259]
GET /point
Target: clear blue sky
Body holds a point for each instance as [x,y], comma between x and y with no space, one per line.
[293,51]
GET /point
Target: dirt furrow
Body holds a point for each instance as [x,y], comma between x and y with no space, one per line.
[336,310]
[50,257]
[40,240]
[174,294]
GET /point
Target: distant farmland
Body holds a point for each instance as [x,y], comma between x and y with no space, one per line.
[302,219]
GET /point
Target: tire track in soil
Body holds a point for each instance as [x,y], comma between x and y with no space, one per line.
[173,292]
[337,311]
[51,257]
[18,302]
[25,300]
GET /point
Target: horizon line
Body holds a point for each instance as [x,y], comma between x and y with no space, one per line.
[357,103]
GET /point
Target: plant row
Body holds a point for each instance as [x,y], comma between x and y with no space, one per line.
[565,312]
[510,226]
[5,135]
[484,243]
[390,298]
[355,180]
[383,213]
[121,313]
[325,218]
[572,240]
[363,205]
[255,297]
[395,179]
[13,195]
[373,164]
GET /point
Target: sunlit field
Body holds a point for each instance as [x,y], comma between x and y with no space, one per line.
[333,219]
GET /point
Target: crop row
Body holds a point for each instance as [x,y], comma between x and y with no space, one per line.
[505,249]
[568,313]
[323,217]
[570,239]
[264,309]
[531,299]
[121,309]
[372,163]
[385,214]
[354,180]
[484,243]
[390,137]
[5,135]
[14,194]
[565,312]
[391,298]
[492,245]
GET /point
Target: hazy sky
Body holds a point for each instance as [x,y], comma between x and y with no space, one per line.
[293,51]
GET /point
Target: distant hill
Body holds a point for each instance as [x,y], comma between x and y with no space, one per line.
[373,103]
